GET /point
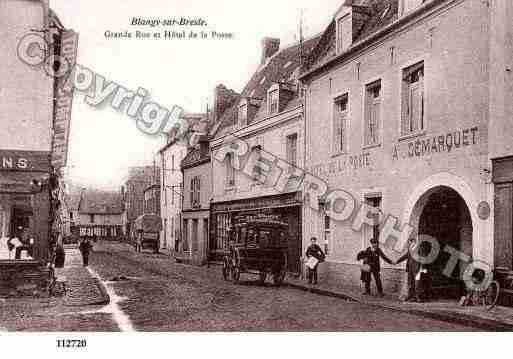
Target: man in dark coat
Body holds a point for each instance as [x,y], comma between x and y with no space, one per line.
[316,252]
[371,256]
[412,268]
[85,248]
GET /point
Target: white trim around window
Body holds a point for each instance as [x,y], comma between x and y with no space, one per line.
[334,97]
[366,83]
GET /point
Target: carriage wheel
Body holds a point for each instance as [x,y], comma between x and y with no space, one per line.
[262,275]
[236,273]
[226,270]
[491,295]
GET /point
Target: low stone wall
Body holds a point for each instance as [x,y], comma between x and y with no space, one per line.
[23,278]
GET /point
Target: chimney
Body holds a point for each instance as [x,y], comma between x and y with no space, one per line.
[270,46]
[224,98]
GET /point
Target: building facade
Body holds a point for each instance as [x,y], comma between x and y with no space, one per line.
[405,94]
[268,119]
[197,175]
[137,180]
[33,143]
[100,215]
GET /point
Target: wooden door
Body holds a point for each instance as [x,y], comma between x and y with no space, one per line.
[504,225]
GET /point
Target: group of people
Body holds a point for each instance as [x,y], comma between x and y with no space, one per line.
[419,280]
[21,242]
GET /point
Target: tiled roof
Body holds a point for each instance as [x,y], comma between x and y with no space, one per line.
[100,202]
[379,14]
[279,68]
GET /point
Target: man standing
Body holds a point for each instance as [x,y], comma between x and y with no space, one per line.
[372,257]
[314,251]
[85,249]
[412,268]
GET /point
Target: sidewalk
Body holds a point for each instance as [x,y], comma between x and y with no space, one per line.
[82,288]
[497,319]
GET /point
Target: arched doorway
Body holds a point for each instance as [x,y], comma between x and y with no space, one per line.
[443,214]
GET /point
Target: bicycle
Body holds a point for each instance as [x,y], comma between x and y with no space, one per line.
[487,297]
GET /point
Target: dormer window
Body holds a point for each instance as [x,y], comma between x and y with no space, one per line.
[344,32]
[410,5]
[274,98]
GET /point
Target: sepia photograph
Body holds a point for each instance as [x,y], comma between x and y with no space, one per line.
[283,167]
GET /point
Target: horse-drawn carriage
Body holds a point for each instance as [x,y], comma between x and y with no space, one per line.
[257,246]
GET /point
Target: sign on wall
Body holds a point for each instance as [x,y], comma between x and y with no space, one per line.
[63,101]
[25,161]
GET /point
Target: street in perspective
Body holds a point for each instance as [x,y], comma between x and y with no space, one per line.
[340,168]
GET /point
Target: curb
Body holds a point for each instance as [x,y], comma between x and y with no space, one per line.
[454,318]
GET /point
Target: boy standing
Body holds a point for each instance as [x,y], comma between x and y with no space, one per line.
[316,252]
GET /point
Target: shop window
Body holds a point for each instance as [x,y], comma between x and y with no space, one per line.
[372,123]
[340,119]
[91,218]
[17,236]
[412,120]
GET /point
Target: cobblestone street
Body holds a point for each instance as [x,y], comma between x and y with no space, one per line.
[152,293]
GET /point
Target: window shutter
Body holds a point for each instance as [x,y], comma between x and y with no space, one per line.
[415,113]
[198,199]
[342,122]
[192,192]
[337,133]
[375,125]
[405,122]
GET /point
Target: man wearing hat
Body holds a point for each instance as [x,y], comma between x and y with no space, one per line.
[371,257]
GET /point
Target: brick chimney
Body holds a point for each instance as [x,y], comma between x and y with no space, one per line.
[224,98]
[270,46]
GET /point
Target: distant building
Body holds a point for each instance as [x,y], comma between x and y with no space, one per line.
[136,182]
[100,215]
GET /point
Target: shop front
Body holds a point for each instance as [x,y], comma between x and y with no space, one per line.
[285,208]
[25,213]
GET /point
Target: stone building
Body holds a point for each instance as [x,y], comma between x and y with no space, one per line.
[136,182]
[268,118]
[410,96]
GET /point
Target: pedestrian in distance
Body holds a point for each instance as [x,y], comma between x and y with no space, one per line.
[372,259]
[314,255]
[85,248]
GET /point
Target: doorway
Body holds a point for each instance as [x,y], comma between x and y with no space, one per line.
[444,215]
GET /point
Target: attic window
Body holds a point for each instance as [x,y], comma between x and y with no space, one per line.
[344,33]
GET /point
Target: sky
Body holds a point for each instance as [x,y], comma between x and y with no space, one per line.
[104,142]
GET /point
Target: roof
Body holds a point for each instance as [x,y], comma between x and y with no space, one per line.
[281,67]
[101,202]
[196,122]
[374,16]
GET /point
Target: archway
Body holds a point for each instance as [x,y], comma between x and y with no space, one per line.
[459,226]
[442,213]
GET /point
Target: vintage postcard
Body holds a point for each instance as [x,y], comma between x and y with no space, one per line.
[265,166]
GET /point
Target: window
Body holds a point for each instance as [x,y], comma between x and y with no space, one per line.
[327,234]
[413,99]
[230,171]
[70,215]
[173,162]
[194,238]
[195,192]
[91,218]
[372,114]
[373,201]
[257,169]
[185,239]
[344,33]
[243,114]
[274,102]
[291,150]
[340,118]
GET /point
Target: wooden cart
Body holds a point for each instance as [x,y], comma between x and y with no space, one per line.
[257,246]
